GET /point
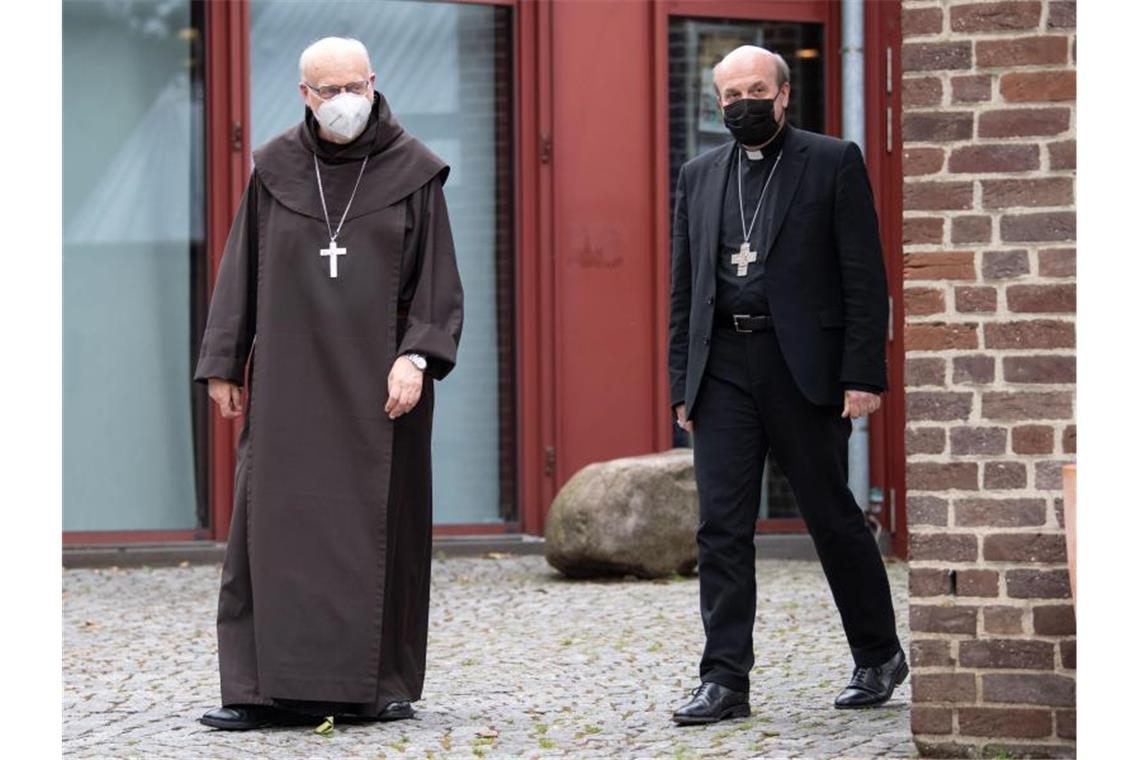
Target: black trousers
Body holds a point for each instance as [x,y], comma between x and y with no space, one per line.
[749,405]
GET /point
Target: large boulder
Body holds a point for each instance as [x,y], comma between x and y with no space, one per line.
[633,516]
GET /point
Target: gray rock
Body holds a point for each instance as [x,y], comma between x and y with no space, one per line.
[633,516]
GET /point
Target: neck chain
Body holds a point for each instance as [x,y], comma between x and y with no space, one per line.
[325,208]
[740,191]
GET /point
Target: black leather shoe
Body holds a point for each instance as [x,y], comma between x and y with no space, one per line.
[239,717]
[712,702]
[397,711]
[873,686]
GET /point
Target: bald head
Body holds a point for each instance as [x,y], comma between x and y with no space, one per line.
[750,71]
[334,55]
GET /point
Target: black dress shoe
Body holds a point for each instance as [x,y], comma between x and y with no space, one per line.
[873,686]
[239,717]
[397,711]
[712,702]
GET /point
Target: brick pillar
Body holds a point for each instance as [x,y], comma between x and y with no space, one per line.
[990,297]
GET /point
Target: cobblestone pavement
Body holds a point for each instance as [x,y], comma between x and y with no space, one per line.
[521,663]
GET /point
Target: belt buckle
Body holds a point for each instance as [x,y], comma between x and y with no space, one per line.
[736,322]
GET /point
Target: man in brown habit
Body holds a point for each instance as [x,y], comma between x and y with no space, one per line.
[339,286]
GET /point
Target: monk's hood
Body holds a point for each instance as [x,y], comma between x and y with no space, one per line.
[398,165]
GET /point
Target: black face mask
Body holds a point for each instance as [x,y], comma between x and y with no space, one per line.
[752,121]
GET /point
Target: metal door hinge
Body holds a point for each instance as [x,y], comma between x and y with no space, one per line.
[890,130]
[545,149]
[890,319]
[237,137]
[890,109]
[894,526]
[890,68]
[548,466]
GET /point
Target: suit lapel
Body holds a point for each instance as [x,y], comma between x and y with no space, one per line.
[785,183]
[718,177]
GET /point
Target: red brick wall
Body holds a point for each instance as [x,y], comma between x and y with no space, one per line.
[990,295]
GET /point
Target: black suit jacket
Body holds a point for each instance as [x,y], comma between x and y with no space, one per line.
[824,274]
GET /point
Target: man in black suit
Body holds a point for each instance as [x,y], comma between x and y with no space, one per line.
[776,341]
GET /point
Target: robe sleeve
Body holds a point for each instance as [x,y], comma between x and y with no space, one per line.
[231,322]
[435,309]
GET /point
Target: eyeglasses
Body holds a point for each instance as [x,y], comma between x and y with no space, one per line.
[330,91]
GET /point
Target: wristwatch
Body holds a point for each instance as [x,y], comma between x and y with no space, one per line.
[419,362]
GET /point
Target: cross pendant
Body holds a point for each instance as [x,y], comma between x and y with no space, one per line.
[743,258]
[333,251]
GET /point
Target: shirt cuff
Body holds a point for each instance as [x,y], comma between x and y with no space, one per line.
[861,387]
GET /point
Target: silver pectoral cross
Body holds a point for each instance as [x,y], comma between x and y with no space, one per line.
[333,251]
[743,258]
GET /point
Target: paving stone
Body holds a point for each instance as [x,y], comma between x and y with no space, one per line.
[521,664]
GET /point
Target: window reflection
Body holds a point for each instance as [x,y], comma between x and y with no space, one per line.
[133,256]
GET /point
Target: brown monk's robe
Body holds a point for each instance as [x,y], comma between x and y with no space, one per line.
[324,595]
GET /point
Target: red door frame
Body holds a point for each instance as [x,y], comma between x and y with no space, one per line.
[228,168]
[882,42]
[530,398]
[882,29]
[816,11]
[534,208]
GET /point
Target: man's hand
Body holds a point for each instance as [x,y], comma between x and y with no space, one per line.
[859,403]
[683,420]
[227,396]
[405,383]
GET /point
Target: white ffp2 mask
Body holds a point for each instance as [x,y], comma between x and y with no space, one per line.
[346,115]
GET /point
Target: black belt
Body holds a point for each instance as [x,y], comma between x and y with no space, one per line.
[744,323]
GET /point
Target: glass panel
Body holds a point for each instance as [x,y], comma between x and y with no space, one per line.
[132,247]
[446,71]
[695,126]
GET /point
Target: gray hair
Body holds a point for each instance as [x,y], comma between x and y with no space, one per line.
[783,73]
[329,44]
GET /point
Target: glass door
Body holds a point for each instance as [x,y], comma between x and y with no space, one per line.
[133,261]
[697,40]
[446,70]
